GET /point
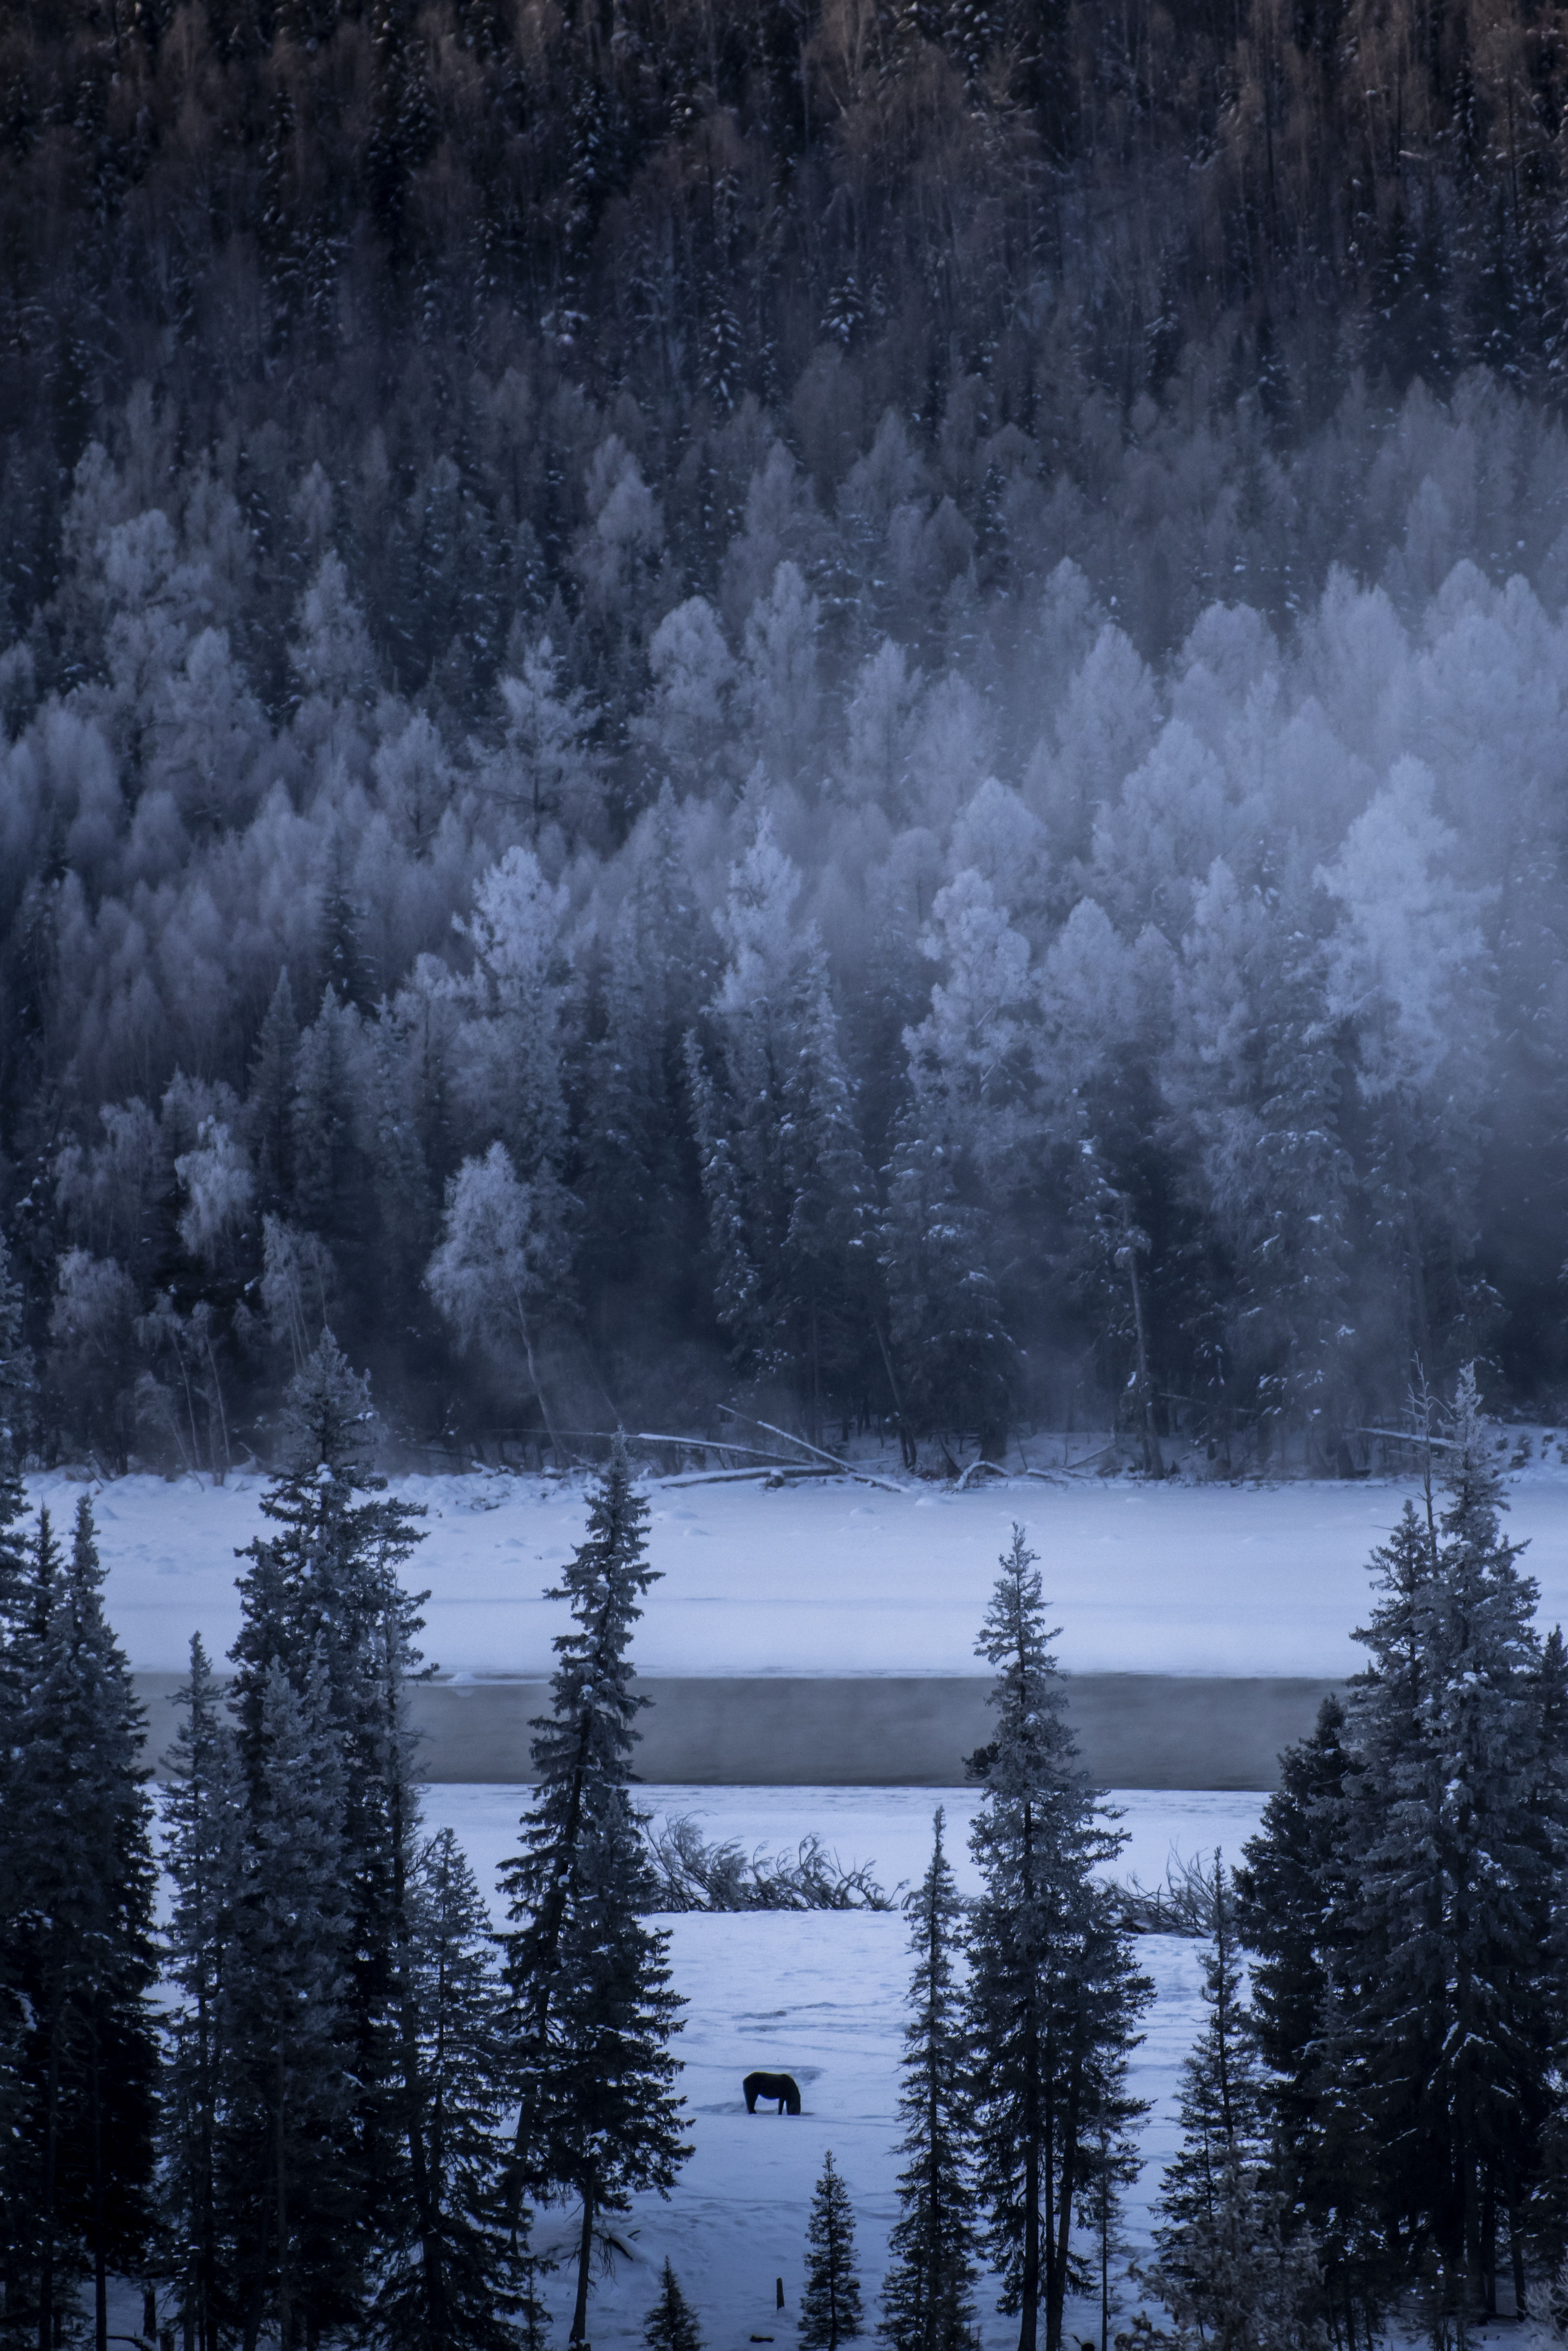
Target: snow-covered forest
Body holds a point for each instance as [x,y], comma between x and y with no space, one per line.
[860,703]
[896,985]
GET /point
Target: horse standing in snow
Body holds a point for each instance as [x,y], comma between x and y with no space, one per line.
[782,2086]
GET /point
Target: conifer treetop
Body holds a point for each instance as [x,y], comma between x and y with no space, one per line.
[607,1576]
[671,2324]
[328,1422]
[831,2310]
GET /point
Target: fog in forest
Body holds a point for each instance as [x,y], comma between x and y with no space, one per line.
[853,713]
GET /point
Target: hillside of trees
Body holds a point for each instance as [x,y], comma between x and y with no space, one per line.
[857,706]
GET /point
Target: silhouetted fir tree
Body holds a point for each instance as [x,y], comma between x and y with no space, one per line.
[81,1960]
[452,2273]
[1456,1859]
[1292,1912]
[1225,2268]
[928,2298]
[201,1824]
[320,1598]
[290,2202]
[15,1596]
[830,2303]
[671,2324]
[591,2009]
[1053,1994]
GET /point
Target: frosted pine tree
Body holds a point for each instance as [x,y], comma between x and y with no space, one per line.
[1053,1993]
[928,2301]
[591,2010]
[953,1363]
[783,1174]
[499,1272]
[830,2305]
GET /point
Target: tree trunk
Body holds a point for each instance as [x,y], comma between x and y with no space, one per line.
[285,2315]
[1153,1461]
[51,2139]
[1029,2296]
[584,2264]
[99,2248]
[434,2281]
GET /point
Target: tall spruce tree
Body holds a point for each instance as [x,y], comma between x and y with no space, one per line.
[291,2207]
[1053,1992]
[15,1619]
[202,1821]
[1457,1855]
[830,2305]
[928,2298]
[320,1598]
[452,2277]
[1227,2271]
[80,1960]
[1292,1914]
[592,2012]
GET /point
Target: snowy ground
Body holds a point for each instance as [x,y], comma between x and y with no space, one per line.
[822,1996]
[837,1578]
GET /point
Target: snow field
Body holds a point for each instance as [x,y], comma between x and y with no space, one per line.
[821,1994]
[835,1578]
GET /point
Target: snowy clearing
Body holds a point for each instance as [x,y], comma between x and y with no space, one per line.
[821,1995]
[836,1578]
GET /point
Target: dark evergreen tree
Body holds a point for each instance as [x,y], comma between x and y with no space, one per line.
[1053,1993]
[321,1600]
[79,1958]
[928,2299]
[1227,2270]
[15,1618]
[291,2206]
[591,2009]
[202,1832]
[453,2272]
[671,2324]
[830,2303]
[1292,1913]
[1456,1855]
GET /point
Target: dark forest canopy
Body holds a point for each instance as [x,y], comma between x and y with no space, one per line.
[864,705]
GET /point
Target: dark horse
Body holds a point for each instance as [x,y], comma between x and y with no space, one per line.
[781,2087]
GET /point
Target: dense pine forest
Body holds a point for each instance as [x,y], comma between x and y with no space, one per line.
[859,705]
